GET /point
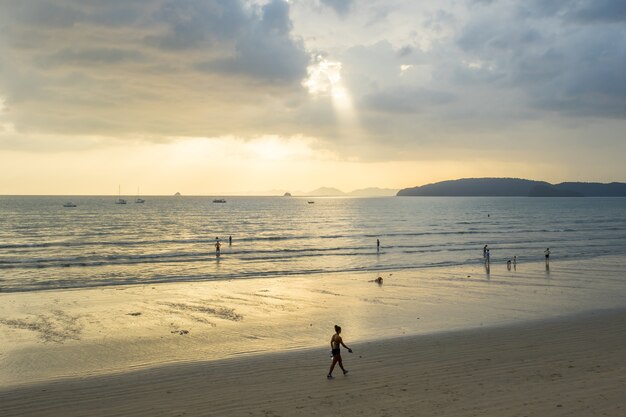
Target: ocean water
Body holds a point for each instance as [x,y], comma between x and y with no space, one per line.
[44,245]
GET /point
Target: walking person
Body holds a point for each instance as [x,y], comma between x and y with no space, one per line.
[547,254]
[485,251]
[335,342]
[377,245]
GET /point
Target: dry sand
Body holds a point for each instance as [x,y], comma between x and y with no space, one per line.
[567,367]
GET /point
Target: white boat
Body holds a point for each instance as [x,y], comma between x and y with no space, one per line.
[139,200]
[69,204]
[119,200]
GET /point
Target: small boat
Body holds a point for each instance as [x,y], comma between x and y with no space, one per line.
[311,202]
[69,204]
[139,200]
[119,200]
[219,200]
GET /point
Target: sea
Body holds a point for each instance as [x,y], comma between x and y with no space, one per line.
[44,245]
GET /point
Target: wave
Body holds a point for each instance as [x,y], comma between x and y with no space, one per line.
[91,282]
[589,246]
[505,230]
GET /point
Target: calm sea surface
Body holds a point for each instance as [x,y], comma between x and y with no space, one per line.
[44,245]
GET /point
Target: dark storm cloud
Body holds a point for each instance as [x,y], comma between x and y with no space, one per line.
[601,10]
[235,34]
[264,48]
[588,11]
[566,56]
[197,23]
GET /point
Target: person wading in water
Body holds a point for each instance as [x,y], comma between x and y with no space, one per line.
[335,342]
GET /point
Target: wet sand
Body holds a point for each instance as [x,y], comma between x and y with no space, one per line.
[566,367]
[444,341]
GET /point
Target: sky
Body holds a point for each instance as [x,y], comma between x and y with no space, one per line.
[208,97]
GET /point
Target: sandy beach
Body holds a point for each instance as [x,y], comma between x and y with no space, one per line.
[565,367]
[443,341]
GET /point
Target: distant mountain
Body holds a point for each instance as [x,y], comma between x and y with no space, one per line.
[326,191]
[515,187]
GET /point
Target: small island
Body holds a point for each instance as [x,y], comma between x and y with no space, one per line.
[514,187]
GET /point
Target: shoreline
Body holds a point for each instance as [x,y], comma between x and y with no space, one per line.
[472,265]
[561,366]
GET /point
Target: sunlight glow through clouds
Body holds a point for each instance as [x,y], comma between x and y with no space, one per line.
[324,76]
[325,80]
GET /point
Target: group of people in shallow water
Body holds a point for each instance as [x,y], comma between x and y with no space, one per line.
[487,258]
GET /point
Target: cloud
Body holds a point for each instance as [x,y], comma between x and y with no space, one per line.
[422,77]
[562,64]
[93,56]
[403,100]
[341,7]
[192,24]
[150,69]
[265,49]
[585,11]
[600,11]
[41,13]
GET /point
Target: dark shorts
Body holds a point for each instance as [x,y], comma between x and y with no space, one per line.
[335,352]
[547,256]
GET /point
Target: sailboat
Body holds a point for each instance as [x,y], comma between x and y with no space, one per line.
[119,200]
[138,199]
